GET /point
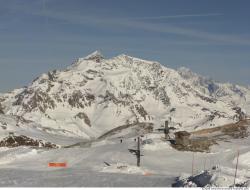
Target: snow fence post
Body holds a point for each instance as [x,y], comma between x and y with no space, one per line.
[205,163]
[138,155]
[193,165]
[236,168]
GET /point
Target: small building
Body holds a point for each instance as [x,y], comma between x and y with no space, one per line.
[182,138]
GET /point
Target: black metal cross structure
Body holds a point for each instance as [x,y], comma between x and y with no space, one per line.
[165,130]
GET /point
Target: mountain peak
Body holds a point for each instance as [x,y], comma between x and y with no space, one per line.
[96,55]
[186,73]
[95,95]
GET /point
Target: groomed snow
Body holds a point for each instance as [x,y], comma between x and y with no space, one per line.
[160,164]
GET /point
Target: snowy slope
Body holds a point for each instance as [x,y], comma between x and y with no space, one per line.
[160,165]
[20,126]
[234,95]
[95,95]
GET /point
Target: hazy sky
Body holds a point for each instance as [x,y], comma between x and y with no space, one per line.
[211,37]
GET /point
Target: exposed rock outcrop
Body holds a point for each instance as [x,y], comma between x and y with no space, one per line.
[15,141]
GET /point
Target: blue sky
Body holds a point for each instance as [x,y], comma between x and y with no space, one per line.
[211,37]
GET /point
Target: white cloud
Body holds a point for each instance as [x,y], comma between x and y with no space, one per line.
[140,24]
[177,16]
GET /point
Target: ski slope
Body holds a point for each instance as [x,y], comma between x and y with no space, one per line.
[160,165]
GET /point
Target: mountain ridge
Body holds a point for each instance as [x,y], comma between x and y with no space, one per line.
[94,95]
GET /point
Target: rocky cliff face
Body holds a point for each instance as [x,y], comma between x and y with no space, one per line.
[95,95]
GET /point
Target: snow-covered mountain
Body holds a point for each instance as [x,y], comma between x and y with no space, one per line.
[95,95]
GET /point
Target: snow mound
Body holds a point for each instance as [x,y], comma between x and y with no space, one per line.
[13,154]
[157,146]
[125,168]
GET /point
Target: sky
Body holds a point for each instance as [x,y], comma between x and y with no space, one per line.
[211,37]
